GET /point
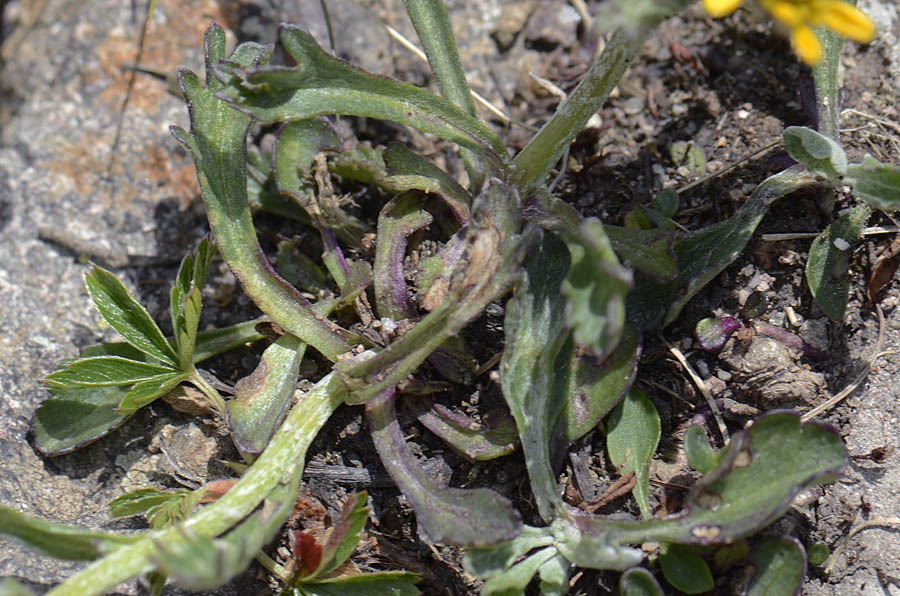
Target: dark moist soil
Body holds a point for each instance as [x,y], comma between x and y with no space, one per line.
[728,88]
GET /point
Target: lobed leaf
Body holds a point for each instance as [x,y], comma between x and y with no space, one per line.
[118,307]
[875,182]
[58,540]
[321,84]
[632,436]
[828,265]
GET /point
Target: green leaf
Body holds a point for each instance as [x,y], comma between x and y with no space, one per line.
[703,254]
[185,301]
[513,581]
[407,170]
[76,416]
[217,143]
[554,575]
[596,287]
[633,434]
[489,561]
[685,569]
[699,452]
[10,587]
[380,583]
[344,535]
[148,390]
[118,307]
[875,182]
[161,507]
[105,371]
[818,553]
[489,440]
[637,581]
[820,154]
[262,398]
[689,155]
[780,567]
[472,517]
[536,364]
[216,341]
[321,84]
[58,540]
[648,251]
[828,265]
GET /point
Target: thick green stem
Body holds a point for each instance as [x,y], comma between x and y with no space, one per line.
[280,460]
[825,75]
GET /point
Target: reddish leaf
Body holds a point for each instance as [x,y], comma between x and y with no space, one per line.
[883,270]
[307,552]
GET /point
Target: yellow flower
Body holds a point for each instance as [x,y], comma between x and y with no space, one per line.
[801,15]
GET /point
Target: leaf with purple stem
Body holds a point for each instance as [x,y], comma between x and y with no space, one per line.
[713,332]
[470,517]
[495,437]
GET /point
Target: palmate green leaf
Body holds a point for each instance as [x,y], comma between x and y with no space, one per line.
[472,517]
[321,84]
[118,307]
[380,583]
[344,535]
[828,265]
[537,364]
[703,254]
[185,301]
[596,287]
[780,568]
[685,569]
[875,182]
[261,399]
[146,391]
[820,154]
[105,371]
[754,482]
[637,581]
[217,143]
[58,540]
[633,434]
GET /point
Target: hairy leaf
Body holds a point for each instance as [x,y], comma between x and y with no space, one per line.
[875,182]
[513,581]
[262,398]
[148,390]
[105,371]
[780,568]
[820,154]
[685,569]
[321,84]
[471,517]
[633,434]
[118,307]
[58,540]
[596,287]
[10,587]
[828,265]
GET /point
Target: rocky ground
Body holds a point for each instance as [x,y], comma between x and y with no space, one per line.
[72,190]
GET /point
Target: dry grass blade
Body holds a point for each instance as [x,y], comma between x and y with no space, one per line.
[701,386]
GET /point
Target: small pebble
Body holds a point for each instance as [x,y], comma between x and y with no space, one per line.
[723,374]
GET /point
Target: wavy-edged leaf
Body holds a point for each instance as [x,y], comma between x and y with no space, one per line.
[148,390]
[471,517]
[703,254]
[820,154]
[105,371]
[321,84]
[185,300]
[262,398]
[637,581]
[685,569]
[875,182]
[217,142]
[596,287]
[828,265]
[407,170]
[59,540]
[780,568]
[632,437]
[537,364]
[118,307]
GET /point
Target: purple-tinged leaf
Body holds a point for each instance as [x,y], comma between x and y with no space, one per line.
[494,438]
[713,332]
[792,340]
[464,517]
[406,170]
[344,535]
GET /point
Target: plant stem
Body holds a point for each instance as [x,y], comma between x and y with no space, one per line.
[278,462]
[211,393]
[825,75]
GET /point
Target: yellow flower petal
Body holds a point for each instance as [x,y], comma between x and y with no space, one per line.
[788,13]
[720,8]
[806,44]
[847,20]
